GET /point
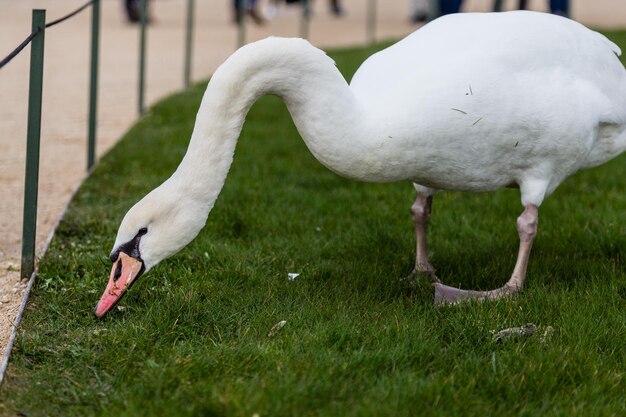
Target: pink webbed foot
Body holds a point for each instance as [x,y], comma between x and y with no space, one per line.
[527,229]
[450,295]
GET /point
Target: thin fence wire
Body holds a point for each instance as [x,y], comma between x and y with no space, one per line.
[19,48]
[67,16]
[30,37]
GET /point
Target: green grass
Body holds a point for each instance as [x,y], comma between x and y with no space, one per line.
[192,338]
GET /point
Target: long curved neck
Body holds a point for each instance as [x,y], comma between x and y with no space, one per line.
[324,109]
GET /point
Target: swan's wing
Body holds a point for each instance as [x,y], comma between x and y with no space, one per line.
[487,48]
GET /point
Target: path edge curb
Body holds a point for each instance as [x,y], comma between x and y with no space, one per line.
[20,313]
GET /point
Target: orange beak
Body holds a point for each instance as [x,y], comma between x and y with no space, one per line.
[123,274]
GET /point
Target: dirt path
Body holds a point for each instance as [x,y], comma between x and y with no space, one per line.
[65,93]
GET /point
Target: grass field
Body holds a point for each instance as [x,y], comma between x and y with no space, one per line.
[191,338]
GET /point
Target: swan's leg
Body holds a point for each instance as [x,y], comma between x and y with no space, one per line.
[527,229]
[421,210]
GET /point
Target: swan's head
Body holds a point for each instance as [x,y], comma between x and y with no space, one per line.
[157,227]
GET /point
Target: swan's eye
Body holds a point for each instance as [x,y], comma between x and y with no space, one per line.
[142,231]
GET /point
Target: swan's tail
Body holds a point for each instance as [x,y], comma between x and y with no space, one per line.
[610,143]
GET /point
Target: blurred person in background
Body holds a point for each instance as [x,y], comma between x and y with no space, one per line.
[560,7]
[497,5]
[241,7]
[449,6]
[273,5]
[420,10]
[423,10]
[133,10]
[336,8]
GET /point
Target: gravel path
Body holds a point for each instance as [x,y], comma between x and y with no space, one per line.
[65,93]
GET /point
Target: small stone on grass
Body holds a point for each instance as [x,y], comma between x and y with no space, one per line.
[503,335]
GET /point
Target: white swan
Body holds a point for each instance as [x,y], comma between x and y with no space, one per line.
[470,102]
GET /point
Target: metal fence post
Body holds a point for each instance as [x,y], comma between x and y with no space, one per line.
[93,84]
[371,21]
[240,15]
[31,182]
[142,53]
[188,42]
[304,19]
